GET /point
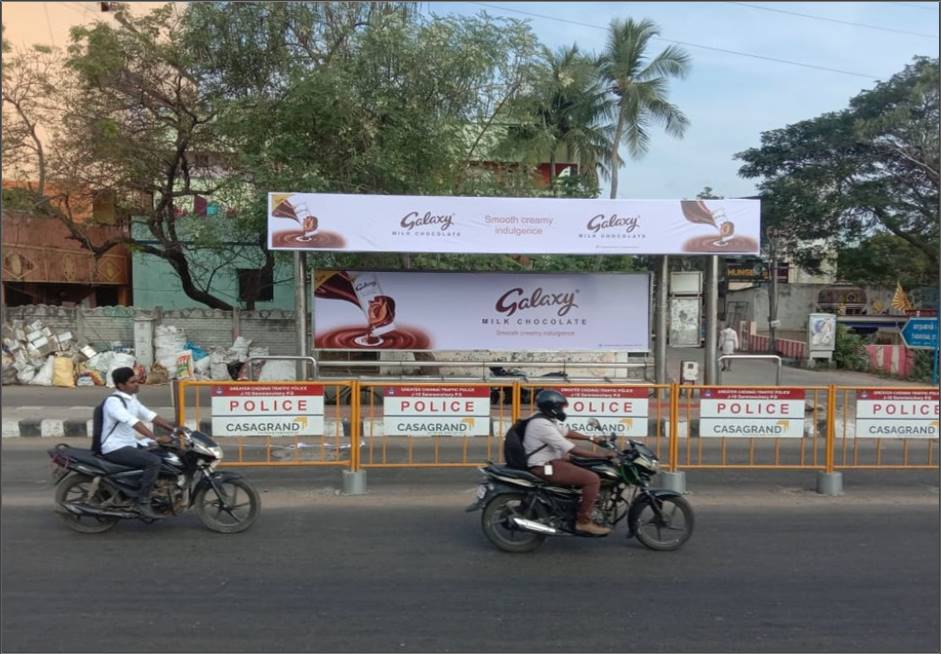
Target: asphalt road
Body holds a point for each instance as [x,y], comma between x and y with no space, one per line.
[772,567]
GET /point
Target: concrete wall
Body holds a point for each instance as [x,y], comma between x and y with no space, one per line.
[207,328]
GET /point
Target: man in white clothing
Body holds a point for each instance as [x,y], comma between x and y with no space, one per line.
[122,416]
[728,343]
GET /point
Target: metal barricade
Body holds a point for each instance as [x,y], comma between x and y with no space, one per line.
[334,447]
[432,450]
[692,450]
[652,428]
[868,450]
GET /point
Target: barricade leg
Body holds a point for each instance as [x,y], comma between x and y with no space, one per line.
[830,483]
[674,481]
[354,482]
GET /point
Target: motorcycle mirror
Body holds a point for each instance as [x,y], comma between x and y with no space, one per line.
[593,423]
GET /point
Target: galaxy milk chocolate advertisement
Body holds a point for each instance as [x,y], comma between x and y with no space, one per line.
[373,310]
[406,223]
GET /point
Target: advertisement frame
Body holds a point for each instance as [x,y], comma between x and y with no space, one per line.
[311,314]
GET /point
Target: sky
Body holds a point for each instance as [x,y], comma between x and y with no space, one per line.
[729,98]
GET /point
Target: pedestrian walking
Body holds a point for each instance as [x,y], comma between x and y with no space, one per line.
[728,343]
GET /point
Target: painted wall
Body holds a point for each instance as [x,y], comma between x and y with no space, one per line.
[155,283]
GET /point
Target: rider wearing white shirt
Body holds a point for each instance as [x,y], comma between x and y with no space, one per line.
[122,416]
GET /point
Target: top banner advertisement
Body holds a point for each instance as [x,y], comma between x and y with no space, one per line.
[408,223]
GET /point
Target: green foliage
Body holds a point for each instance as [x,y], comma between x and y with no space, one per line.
[884,259]
[921,371]
[870,169]
[850,350]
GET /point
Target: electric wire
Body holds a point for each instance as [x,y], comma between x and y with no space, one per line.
[688,43]
[835,20]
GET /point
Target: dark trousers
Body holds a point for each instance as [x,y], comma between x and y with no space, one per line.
[136,457]
[569,474]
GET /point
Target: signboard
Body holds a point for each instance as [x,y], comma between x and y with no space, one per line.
[686,282]
[433,410]
[267,410]
[753,271]
[684,321]
[821,332]
[896,414]
[752,412]
[622,411]
[371,310]
[408,223]
[921,333]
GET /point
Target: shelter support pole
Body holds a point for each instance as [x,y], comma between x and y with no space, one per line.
[712,317]
[300,312]
[660,353]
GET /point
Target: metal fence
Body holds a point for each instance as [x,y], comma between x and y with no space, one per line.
[355,428]
[694,451]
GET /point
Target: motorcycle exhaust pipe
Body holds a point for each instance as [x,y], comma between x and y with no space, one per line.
[537,527]
[79,509]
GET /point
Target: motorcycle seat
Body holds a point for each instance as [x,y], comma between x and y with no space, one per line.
[516,473]
[90,458]
[588,461]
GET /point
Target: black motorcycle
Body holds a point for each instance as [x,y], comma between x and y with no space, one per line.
[92,494]
[520,509]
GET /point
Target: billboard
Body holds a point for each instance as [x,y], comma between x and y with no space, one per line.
[436,410]
[752,412]
[373,310]
[620,410]
[267,409]
[406,223]
[897,413]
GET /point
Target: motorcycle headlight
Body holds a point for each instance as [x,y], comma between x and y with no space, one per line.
[216,452]
[648,463]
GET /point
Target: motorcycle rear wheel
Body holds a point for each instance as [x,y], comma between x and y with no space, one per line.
[244,506]
[495,523]
[668,533]
[76,488]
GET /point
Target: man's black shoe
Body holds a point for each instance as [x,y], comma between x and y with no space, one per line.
[143,508]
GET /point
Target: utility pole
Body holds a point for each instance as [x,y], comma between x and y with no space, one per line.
[773,297]
[300,312]
[660,353]
[712,318]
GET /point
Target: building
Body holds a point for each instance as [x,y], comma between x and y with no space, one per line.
[43,264]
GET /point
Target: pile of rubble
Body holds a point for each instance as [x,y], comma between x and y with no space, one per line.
[34,354]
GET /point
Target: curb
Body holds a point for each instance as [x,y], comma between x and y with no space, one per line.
[66,428]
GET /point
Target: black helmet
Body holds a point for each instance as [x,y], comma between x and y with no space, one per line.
[552,404]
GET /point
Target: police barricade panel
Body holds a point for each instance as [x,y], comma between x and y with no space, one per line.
[433,424]
[639,412]
[273,423]
[886,427]
[751,427]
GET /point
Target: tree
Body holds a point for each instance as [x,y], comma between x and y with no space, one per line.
[639,86]
[838,179]
[564,113]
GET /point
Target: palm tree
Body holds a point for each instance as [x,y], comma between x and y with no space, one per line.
[565,114]
[640,88]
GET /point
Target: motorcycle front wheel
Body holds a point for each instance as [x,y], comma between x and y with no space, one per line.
[500,531]
[670,529]
[234,512]
[76,489]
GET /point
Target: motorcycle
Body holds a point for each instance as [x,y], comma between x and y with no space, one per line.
[520,510]
[92,494]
